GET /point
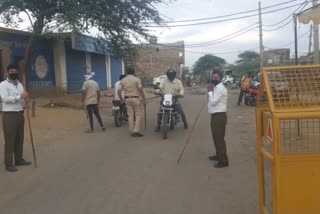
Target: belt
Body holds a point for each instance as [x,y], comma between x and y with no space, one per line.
[128,97]
[13,112]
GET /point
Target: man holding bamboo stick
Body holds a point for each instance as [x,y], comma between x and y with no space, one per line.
[13,100]
[217,108]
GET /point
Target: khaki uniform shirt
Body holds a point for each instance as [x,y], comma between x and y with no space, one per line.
[245,82]
[91,87]
[175,87]
[130,84]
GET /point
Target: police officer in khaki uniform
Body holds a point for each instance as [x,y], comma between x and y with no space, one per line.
[132,88]
[173,86]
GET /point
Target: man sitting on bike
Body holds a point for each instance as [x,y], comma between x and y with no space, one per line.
[173,86]
[116,96]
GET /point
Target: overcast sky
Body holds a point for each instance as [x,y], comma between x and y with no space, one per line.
[195,9]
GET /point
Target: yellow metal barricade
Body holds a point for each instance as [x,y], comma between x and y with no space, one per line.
[288,140]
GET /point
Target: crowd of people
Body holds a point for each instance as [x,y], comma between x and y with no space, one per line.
[129,91]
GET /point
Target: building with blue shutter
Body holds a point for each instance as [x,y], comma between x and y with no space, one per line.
[58,64]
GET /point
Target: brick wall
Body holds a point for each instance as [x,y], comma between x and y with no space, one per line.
[277,56]
[153,60]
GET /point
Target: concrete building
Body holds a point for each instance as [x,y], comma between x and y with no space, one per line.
[276,56]
[154,59]
[59,63]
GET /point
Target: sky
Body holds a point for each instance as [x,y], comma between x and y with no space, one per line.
[176,10]
[197,9]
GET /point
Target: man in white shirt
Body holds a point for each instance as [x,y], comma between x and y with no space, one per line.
[116,88]
[13,98]
[91,99]
[217,108]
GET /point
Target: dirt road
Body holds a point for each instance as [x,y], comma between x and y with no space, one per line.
[113,173]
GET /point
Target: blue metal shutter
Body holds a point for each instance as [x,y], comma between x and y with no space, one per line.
[116,70]
[98,66]
[76,69]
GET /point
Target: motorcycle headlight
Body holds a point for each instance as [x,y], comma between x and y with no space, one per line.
[167,103]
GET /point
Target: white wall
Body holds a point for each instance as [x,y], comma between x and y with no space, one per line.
[60,65]
[123,67]
[108,69]
[88,62]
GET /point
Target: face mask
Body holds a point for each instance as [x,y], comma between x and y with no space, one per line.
[14,76]
[215,82]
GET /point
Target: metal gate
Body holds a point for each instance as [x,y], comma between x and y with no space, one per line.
[288,140]
[98,66]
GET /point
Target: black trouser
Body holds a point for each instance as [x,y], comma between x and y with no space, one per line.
[93,108]
[13,130]
[242,92]
[218,130]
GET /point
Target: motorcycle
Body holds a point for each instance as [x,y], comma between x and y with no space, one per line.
[251,93]
[119,113]
[168,114]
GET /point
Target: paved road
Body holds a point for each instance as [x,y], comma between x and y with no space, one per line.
[112,173]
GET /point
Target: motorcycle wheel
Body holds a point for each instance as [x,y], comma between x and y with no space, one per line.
[246,99]
[165,126]
[173,122]
[117,119]
[253,102]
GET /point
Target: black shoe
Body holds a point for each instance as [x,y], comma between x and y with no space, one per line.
[11,168]
[186,126]
[136,134]
[221,164]
[157,129]
[103,128]
[213,158]
[22,162]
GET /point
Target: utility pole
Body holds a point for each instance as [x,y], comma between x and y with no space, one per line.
[316,39]
[310,40]
[261,39]
[295,39]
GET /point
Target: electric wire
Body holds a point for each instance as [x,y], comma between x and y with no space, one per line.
[289,16]
[222,38]
[228,15]
[222,20]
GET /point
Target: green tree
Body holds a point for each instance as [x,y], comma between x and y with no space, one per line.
[207,62]
[248,56]
[248,62]
[116,21]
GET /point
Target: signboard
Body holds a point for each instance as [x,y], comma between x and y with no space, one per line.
[89,44]
[269,133]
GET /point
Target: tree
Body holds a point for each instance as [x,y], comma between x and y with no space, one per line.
[207,62]
[248,56]
[116,21]
[248,62]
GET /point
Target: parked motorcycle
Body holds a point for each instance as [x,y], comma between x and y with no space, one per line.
[251,93]
[119,113]
[168,114]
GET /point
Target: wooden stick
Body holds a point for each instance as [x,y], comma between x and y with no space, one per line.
[191,131]
[145,115]
[35,164]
